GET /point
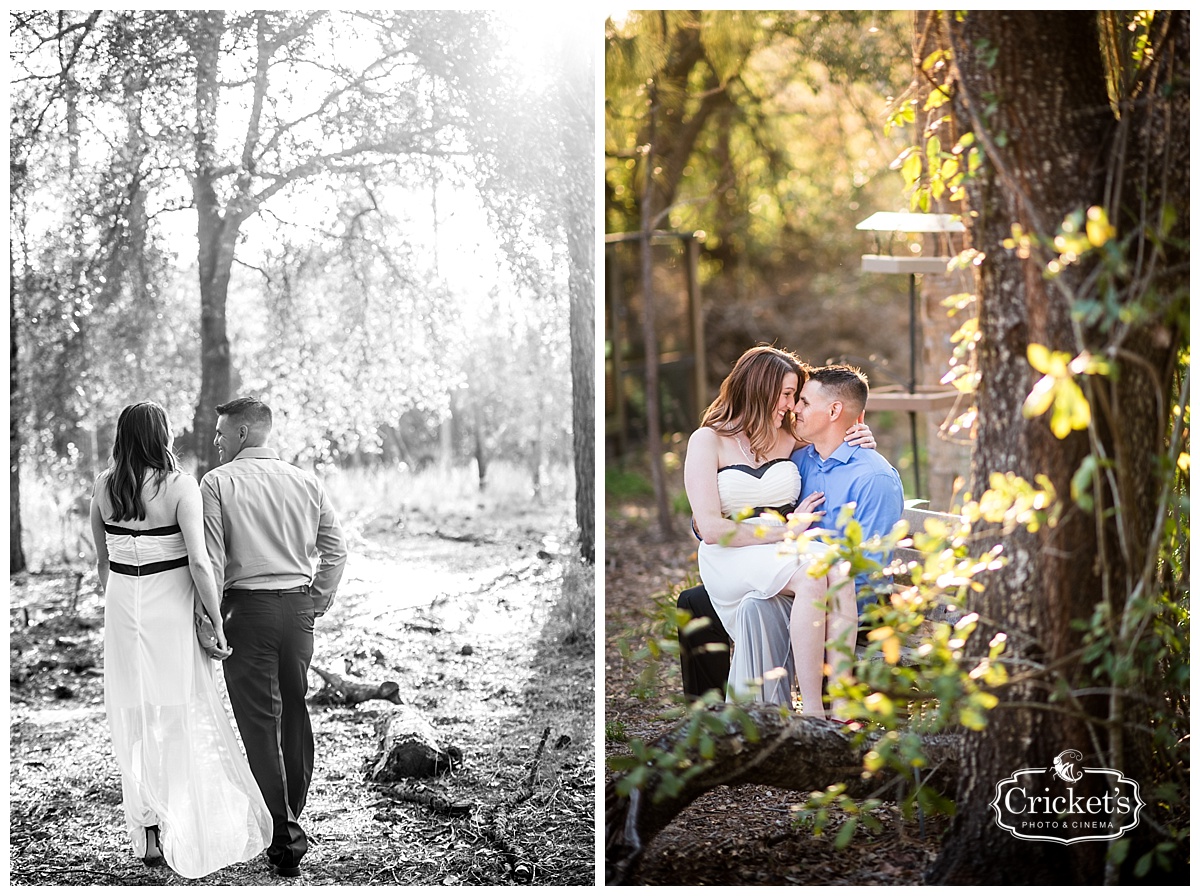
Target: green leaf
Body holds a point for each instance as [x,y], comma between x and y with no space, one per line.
[938,97]
[936,58]
[845,833]
[1169,216]
[1118,851]
[1081,483]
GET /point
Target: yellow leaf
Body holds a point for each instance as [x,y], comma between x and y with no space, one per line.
[911,169]
[1045,361]
[1099,230]
[891,650]
[1071,409]
[879,704]
[1039,400]
[1039,357]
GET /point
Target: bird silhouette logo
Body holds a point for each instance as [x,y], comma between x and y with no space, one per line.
[1064,765]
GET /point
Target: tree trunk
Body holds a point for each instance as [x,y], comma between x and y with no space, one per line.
[16,554]
[582,278]
[654,442]
[794,754]
[577,130]
[477,440]
[1031,86]
[217,237]
[216,369]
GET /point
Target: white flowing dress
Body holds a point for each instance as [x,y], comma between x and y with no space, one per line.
[181,767]
[744,582]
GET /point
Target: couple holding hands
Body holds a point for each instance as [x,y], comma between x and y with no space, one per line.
[780,438]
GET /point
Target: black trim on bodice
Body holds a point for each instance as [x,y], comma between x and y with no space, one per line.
[161,530]
[756,472]
[148,569]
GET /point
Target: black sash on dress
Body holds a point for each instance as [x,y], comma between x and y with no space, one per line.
[148,569]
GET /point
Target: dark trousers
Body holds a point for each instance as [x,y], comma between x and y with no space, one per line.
[703,648]
[271,634]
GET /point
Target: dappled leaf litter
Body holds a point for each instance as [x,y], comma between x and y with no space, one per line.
[731,835]
[455,620]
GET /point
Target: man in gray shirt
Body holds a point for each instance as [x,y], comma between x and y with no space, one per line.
[267,524]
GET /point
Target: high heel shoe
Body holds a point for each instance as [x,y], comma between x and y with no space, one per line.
[153,861]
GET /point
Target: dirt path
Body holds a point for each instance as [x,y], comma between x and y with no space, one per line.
[731,835]
[461,621]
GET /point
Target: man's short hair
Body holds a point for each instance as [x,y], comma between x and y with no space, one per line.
[250,411]
[848,383]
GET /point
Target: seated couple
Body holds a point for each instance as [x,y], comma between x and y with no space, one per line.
[787,438]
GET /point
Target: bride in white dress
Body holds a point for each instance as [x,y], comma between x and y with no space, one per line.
[740,458]
[187,791]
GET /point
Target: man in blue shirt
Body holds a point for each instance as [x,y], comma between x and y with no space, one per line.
[832,397]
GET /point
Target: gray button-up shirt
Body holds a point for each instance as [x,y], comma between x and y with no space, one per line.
[267,524]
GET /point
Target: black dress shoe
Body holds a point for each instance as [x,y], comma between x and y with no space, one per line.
[153,861]
[282,870]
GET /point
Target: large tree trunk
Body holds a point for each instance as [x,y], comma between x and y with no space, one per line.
[217,236]
[216,367]
[1049,136]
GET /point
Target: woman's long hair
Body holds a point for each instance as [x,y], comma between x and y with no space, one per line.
[143,442]
[748,396]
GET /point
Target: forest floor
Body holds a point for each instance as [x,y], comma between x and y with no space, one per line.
[731,835]
[464,615]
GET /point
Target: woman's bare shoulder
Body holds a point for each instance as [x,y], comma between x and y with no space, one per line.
[705,441]
[179,479]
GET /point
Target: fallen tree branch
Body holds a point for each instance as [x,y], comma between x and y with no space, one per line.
[424,797]
[527,790]
[793,753]
[496,821]
[339,691]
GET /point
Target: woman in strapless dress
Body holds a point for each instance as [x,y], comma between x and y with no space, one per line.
[742,485]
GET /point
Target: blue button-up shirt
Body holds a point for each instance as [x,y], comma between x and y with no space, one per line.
[860,475]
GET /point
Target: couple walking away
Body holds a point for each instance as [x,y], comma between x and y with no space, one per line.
[239,548]
[780,438]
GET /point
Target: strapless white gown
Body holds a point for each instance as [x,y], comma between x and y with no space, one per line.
[743,583]
[181,767]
